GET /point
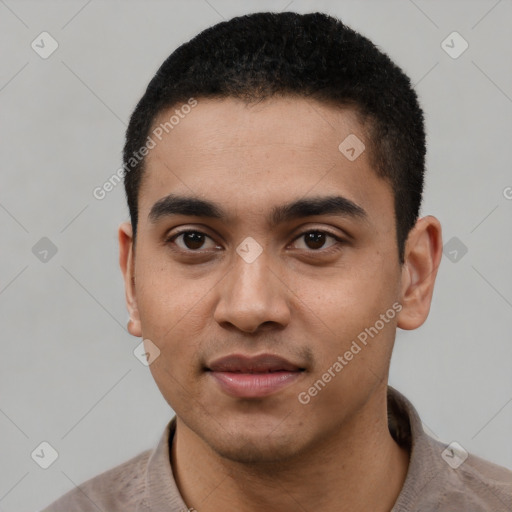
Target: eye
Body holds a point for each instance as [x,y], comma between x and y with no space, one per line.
[196,241]
[315,239]
[191,241]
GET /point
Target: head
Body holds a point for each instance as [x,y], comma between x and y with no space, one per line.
[312,56]
[274,210]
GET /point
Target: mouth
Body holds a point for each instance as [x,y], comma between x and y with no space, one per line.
[253,377]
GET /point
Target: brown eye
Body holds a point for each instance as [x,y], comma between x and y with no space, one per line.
[191,240]
[315,240]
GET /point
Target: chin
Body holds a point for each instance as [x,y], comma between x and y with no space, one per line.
[253,442]
[255,451]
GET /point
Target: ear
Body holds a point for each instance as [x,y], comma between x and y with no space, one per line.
[423,252]
[127,264]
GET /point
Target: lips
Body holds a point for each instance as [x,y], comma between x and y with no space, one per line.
[262,363]
[253,377]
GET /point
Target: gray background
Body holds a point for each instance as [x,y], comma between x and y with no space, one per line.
[68,375]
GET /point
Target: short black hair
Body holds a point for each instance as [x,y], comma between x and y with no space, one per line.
[261,55]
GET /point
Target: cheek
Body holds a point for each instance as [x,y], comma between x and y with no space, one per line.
[173,377]
[168,300]
[350,296]
[348,309]
[173,313]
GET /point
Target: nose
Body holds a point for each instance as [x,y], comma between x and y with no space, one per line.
[252,295]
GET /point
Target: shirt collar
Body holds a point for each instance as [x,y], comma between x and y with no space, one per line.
[424,462]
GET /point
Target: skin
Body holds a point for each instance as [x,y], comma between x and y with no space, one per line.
[297,300]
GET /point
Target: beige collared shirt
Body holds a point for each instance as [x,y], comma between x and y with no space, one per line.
[440,478]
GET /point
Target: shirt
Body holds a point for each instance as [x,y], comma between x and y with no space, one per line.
[440,478]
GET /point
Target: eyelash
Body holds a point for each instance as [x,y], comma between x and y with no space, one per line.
[333,248]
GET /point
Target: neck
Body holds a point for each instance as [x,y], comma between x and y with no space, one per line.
[358,468]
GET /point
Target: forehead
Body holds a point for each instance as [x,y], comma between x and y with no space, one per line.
[250,157]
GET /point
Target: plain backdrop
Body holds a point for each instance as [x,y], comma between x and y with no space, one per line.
[68,374]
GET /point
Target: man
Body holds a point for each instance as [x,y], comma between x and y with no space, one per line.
[274,171]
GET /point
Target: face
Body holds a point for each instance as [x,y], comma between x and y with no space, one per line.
[251,276]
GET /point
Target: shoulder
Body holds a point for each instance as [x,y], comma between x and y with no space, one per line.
[475,482]
[444,477]
[117,489]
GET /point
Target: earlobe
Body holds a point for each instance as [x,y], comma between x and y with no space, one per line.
[422,258]
[127,264]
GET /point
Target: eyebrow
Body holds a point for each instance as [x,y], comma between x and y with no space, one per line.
[195,207]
